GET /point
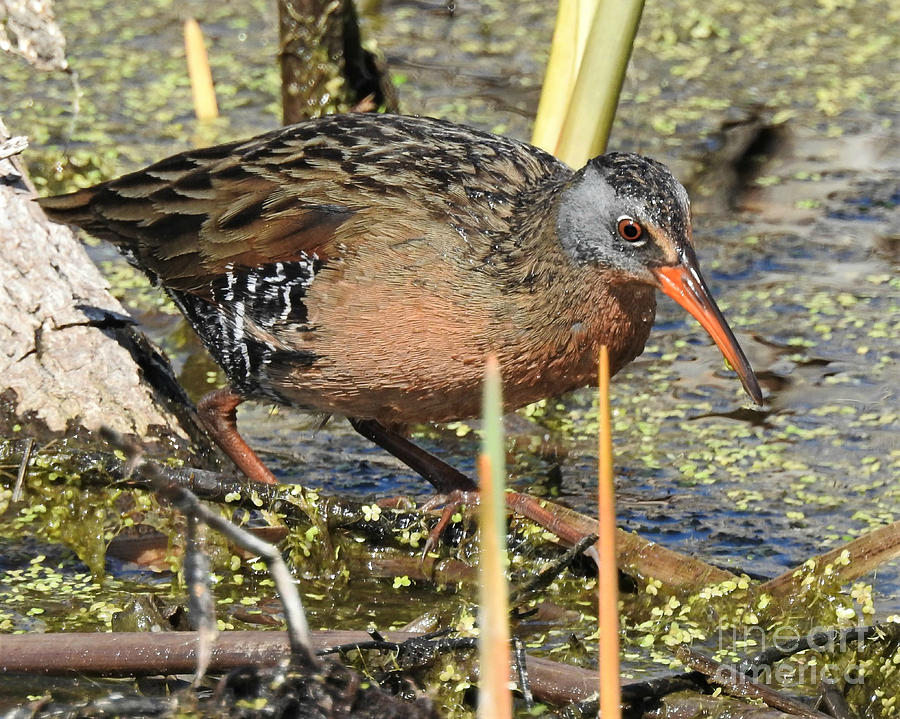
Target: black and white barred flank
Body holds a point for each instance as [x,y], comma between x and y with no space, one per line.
[250,306]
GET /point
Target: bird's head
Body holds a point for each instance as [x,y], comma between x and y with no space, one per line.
[629,215]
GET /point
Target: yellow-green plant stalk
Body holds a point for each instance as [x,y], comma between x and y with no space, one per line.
[204,93]
[596,94]
[494,698]
[575,115]
[573,22]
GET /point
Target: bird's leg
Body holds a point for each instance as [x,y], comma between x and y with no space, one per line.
[453,501]
[444,477]
[458,489]
[522,504]
[218,413]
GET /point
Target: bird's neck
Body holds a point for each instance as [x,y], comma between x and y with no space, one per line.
[560,313]
[557,340]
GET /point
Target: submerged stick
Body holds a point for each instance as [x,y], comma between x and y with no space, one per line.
[734,682]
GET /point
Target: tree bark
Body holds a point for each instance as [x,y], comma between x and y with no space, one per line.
[70,357]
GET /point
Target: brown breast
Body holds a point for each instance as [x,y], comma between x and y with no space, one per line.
[406,342]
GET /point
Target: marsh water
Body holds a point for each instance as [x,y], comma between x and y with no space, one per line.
[799,241]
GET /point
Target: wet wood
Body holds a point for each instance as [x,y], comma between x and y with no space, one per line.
[865,555]
[71,359]
[30,29]
[833,700]
[634,554]
[151,653]
[155,653]
[737,684]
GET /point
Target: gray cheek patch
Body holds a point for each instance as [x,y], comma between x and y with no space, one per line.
[582,211]
[618,184]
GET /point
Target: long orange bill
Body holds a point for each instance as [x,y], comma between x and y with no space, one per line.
[684,284]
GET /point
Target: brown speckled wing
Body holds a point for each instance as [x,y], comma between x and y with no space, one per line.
[188,218]
[281,248]
[313,188]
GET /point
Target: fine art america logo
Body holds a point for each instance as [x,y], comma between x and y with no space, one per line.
[785,642]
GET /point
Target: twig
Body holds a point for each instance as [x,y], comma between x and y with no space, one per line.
[201,603]
[734,682]
[818,641]
[545,577]
[23,470]
[187,502]
[522,672]
[13,146]
[294,616]
[416,652]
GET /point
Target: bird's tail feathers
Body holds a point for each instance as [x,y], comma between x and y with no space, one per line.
[71,209]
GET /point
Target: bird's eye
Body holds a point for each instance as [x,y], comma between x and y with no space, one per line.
[629,230]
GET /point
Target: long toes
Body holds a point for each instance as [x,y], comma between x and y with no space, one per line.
[451,502]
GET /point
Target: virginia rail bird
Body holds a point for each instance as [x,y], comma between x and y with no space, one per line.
[364,265]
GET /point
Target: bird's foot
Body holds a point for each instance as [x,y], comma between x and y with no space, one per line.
[450,502]
[525,505]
